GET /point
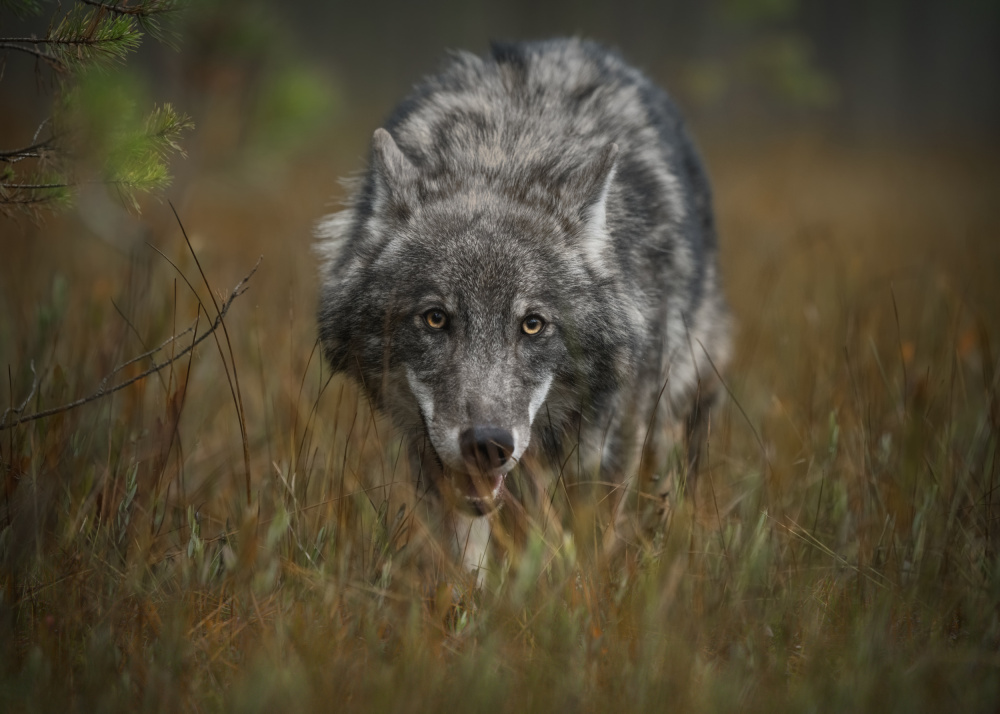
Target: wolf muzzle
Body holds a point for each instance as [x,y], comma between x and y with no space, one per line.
[487,452]
[486,448]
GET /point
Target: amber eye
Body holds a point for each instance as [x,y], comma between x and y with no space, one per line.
[532,325]
[436,318]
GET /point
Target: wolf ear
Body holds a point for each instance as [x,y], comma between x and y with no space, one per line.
[596,181]
[597,178]
[394,174]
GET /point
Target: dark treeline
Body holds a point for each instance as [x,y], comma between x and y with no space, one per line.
[875,65]
[861,68]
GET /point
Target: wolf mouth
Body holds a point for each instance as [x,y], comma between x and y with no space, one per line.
[475,491]
[483,505]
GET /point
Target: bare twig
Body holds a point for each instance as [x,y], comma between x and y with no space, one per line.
[31,50]
[35,186]
[103,389]
[51,41]
[142,342]
[28,152]
[24,404]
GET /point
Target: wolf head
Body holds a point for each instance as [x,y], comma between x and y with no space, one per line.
[477,306]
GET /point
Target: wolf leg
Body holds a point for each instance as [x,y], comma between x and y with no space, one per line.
[470,541]
[664,469]
[645,480]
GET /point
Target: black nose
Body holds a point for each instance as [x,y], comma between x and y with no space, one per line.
[487,447]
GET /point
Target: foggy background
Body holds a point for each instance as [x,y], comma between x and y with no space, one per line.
[884,65]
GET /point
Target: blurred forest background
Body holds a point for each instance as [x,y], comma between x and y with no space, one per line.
[885,69]
[271,82]
[213,537]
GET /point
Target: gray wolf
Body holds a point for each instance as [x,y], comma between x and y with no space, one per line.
[529,259]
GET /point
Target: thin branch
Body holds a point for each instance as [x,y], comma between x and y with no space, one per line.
[24,404]
[139,11]
[27,40]
[15,156]
[102,390]
[22,200]
[142,342]
[35,186]
[6,44]
[148,353]
[33,151]
[33,51]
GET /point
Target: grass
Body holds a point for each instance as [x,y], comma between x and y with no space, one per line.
[843,555]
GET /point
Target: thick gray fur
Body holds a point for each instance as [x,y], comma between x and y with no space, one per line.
[547,179]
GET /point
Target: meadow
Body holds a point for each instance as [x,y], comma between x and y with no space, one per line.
[224,534]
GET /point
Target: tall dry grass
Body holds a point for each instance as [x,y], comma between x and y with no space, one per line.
[843,554]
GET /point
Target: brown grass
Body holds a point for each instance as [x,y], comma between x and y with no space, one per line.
[844,557]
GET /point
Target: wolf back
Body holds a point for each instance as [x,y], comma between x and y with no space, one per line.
[529,259]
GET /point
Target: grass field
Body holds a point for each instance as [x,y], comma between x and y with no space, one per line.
[223,535]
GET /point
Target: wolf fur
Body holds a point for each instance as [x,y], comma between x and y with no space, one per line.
[529,260]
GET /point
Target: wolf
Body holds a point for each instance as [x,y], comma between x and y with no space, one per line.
[529,260]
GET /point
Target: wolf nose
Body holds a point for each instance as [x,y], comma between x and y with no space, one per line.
[486,446]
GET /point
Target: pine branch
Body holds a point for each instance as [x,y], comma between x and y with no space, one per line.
[147,12]
[29,194]
[81,37]
[163,130]
[130,152]
[93,37]
[139,161]
[134,162]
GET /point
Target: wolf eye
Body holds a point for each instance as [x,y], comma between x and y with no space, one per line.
[436,319]
[532,325]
